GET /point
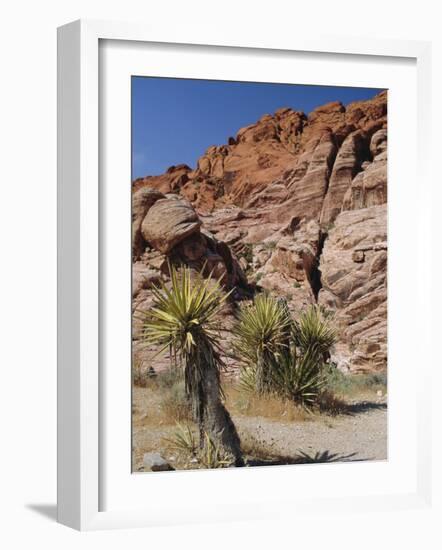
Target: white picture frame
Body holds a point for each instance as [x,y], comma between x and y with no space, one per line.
[79,267]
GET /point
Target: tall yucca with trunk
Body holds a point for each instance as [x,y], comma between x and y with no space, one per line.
[262,336]
[182,320]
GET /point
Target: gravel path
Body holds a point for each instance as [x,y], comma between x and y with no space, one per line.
[361,435]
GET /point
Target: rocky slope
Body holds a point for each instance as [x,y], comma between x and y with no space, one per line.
[294,204]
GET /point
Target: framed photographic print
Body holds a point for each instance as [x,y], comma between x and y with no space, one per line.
[233,217]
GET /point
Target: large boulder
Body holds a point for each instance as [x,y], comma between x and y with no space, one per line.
[142,200]
[168,222]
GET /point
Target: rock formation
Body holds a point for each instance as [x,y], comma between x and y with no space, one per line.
[294,204]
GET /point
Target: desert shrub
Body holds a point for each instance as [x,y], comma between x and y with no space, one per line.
[342,384]
[314,328]
[169,377]
[261,336]
[249,403]
[138,377]
[280,356]
[182,440]
[209,454]
[142,376]
[299,376]
[175,405]
[213,456]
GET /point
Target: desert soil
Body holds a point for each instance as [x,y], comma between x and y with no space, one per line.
[358,436]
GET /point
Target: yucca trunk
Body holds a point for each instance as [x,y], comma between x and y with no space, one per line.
[204,389]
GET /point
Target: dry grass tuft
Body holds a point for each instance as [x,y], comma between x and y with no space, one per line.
[158,403]
[267,406]
[174,405]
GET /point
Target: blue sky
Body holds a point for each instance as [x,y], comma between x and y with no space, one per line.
[175,120]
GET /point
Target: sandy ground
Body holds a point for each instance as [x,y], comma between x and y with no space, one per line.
[361,435]
[357,436]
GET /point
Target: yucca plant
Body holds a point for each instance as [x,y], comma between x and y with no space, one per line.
[247,379]
[313,328]
[262,334]
[213,456]
[182,440]
[182,320]
[299,376]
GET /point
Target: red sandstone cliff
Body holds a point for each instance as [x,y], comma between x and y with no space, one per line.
[293,203]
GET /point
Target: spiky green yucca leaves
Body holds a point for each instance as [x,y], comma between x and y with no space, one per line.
[212,456]
[282,356]
[182,440]
[299,376]
[261,336]
[313,328]
[183,320]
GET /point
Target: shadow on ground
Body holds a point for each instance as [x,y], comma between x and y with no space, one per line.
[339,407]
[304,458]
[365,406]
[48,511]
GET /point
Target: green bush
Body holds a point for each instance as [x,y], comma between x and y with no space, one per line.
[281,356]
[262,335]
[299,376]
[314,328]
[348,384]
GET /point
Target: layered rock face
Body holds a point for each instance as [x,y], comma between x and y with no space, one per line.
[354,284]
[294,204]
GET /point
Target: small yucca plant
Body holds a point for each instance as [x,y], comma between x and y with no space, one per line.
[183,320]
[313,328]
[299,376]
[261,336]
[182,440]
[213,456]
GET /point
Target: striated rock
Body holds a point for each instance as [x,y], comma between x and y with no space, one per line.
[348,162]
[294,204]
[369,187]
[283,156]
[143,277]
[308,181]
[170,182]
[354,285]
[168,222]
